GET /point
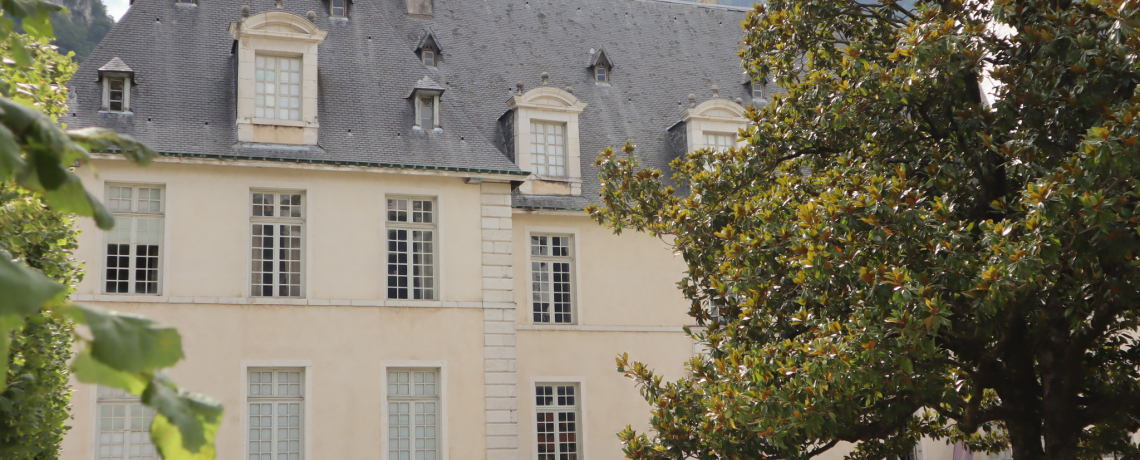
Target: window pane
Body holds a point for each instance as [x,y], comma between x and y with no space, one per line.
[548,149]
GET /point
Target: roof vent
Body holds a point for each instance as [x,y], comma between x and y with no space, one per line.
[312,16]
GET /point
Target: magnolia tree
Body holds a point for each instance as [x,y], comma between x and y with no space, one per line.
[932,232]
[124,351]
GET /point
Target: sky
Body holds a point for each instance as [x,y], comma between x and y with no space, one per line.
[116,8]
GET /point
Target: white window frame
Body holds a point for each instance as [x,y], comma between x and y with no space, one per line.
[419,96]
[570,259]
[277,221]
[97,403]
[581,397]
[602,74]
[564,156]
[343,8]
[575,269]
[715,115]
[132,216]
[441,386]
[757,90]
[306,412]
[549,105]
[411,226]
[719,136]
[428,57]
[300,84]
[126,78]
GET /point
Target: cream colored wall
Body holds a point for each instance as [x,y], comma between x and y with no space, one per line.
[626,280]
[207,225]
[347,347]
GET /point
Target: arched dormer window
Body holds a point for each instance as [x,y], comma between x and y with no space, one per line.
[546,140]
[601,66]
[714,123]
[277,78]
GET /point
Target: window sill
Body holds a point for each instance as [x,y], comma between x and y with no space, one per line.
[568,180]
[112,112]
[276,122]
[580,328]
[160,299]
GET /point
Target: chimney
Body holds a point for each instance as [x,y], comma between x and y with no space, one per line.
[420,7]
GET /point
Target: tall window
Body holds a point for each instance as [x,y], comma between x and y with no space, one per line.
[413,414]
[556,407]
[548,148]
[115,99]
[602,74]
[124,426]
[336,8]
[427,112]
[551,266]
[429,57]
[278,88]
[757,90]
[276,400]
[278,224]
[134,245]
[720,141]
[411,248]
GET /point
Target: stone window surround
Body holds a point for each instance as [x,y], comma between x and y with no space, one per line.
[420,94]
[530,425]
[442,381]
[712,116]
[575,266]
[282,34]
[305,366]
[106,78]
[556,106]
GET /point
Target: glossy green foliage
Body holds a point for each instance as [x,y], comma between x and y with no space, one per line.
[37,188]
[931,232]
[34,404]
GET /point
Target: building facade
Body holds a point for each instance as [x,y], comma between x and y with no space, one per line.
[367,217]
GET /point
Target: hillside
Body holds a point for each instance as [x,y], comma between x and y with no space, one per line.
[81,28]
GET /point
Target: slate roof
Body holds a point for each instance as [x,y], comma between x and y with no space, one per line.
[115,65]
[184,96]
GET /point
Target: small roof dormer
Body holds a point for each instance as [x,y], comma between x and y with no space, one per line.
[600,66]
[115,66]
[428,49]
[425,98]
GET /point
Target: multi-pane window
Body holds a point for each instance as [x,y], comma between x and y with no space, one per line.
[548,148]
[429,57]
[124,426]
[411,248]
[757,90]
[413,414]
[556,413]
[278,224]
[115,96]
[720,141]
[276,400]
[551,268]
[602,74]
[278,87]
[336,8]
[134,246]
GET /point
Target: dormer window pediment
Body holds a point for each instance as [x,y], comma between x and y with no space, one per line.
[545,140]
[116,78]
[713,124]
[277,78]
[429,49]
[601,66]
[425,96]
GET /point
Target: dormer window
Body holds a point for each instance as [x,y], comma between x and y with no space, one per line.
[428,49]
[757,88]
[277,94]
[116,100]
[116,78]
[186,2]
[337,8]
[600,66]
[425,95]
[543,130]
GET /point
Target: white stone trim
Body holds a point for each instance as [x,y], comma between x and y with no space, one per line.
[307,433]
[548,104]
[579,328]
[714,116]
[500,356]
[443,448]
[532,435]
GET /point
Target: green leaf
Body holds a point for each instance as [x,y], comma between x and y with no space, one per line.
[131,343]
[25,290]
[7,324]
[99,139]
[72,197]
[20,53]
[185,425]
[907,365]
[39,24]
[90,370]
[10,158]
